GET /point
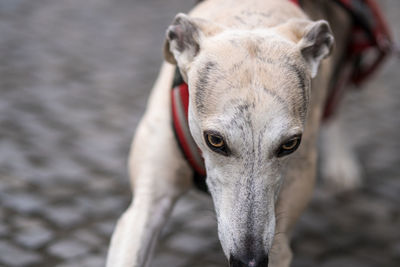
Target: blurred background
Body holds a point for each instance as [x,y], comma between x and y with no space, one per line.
[74,79]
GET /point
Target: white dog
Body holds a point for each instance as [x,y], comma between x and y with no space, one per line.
[257,86]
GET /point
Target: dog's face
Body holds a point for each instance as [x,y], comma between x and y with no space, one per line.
[249,93]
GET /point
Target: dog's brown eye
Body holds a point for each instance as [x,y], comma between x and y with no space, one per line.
[216,143]
[215,140]
[289,146]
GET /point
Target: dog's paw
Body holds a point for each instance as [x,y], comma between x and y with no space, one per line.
[339,166]
[341,172]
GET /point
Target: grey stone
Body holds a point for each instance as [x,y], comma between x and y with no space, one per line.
[106,228]
[345,262]
[102,185]
[370,207]
[395,250]
[3,229]
[215,255]
[183,206]
[387,192]
[22,202]
[205,263]
[88,237]
[382,231]
[203,221]
[99,206]
[64,216]
[311,222]
[311,246]
[14,256]
[22,222]
[68,249]
[169,259]
[11,183]
[204,260]
[371,255]
[190,243]
[34,237]
[304,262]
[9,6]
[88,261]
[60,192]
[342,241]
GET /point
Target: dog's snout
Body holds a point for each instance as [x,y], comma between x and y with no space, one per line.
[238,262]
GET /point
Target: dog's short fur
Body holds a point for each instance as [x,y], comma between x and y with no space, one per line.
[252,71]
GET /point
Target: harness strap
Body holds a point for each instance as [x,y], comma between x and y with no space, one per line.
[180,106]
[369,46]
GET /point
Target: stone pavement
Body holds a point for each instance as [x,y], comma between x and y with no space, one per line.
[74,79]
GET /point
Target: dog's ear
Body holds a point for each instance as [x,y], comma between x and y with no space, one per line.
[182,40]
[184,37]
[316,44]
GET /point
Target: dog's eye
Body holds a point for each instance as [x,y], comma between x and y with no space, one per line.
[215,140]
[216,143]
[289,146]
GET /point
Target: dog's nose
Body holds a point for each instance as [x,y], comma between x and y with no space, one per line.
[237,262]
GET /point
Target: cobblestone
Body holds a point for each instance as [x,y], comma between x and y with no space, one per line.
[105,228]
[3,229]
[88,237]
[169,259]
[189,244]
[22,202]
[97,206]
[64,217]
[74,79]
[14,256]
[90,261]
[34,238]
[395,250]
[345,262]
[68,249]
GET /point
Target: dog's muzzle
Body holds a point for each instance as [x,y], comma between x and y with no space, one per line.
[236,262]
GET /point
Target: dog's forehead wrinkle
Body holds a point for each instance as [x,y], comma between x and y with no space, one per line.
[303,85]
[240,20]
[277,97]
[205,78]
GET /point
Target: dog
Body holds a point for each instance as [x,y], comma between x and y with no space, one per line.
[258,73]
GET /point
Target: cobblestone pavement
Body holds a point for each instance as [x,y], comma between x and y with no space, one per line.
[74,78]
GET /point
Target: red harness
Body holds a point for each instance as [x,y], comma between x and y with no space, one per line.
[370,35]
[369,45]
[180,104]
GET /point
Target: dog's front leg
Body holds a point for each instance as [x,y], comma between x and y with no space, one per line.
[159,175]
[137,230]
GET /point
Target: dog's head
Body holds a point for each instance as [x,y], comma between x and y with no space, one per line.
[249,93]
